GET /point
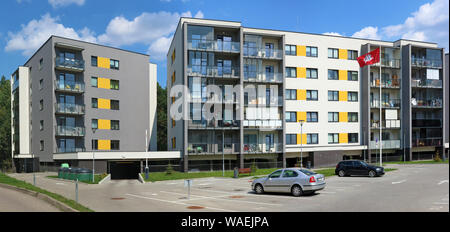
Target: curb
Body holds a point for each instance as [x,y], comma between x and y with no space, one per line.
[107,178]
[59,205]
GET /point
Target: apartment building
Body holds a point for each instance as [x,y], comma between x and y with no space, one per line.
[79,102]
[312,103]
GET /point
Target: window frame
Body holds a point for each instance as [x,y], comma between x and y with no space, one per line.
[310,47]
[312,113]
[334,136]
[290,94]
[355,135]
[334,94]
[308,70]
[292,139]
[310,136]
[290,116]
[352,54]
[350,75]
[115,143]
[94,58]
[115,125]
[290,50]
[333,53]
[290,70]
[350,96]
[94,103]
[350,116]
[310,94]
[336,76]
[335,117]
[115,103]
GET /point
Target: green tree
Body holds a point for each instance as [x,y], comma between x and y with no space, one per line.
[5,121]
[162,118]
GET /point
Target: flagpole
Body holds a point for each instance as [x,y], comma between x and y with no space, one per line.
[381,117]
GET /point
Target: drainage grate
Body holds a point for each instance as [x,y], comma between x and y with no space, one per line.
[195,207]
[117,198]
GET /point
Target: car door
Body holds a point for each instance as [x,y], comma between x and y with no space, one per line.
[273,182]
[287,180]
[359,168]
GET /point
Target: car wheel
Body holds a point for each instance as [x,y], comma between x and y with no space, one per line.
[259,189]
[372,173]
[296,191]
[341,173]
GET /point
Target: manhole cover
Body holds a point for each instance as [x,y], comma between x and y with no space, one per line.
[117,198]
[195,207]
[234,197]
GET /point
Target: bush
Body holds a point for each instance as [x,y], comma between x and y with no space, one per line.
[6,165]
[437,158]
[169,169]
[254,168]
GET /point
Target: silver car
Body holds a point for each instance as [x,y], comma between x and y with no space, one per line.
[294,180]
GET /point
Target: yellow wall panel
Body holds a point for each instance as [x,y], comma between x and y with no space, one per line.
[343,117]
[343,95]
[301,116]
[301,139]
[104,103]
[104,83]
[343,54]
[343,138]
[301,94]
[301,50]
[103,62]
[301,72]
[343,75]
[104,124]
[104,144]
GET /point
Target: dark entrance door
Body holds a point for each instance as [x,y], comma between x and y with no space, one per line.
[124,170]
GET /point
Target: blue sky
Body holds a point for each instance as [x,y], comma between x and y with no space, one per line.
[148,26]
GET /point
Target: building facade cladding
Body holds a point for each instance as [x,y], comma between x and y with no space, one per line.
[332,60]
[61,78]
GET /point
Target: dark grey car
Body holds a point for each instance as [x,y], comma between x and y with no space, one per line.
[294,180]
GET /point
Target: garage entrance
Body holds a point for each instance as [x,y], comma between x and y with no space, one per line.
[124,170]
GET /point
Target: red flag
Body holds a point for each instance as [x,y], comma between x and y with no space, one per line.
[372,57]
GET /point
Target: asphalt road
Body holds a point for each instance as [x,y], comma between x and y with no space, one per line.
[13,201]
[411,188]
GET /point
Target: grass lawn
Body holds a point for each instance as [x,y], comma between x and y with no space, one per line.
[97,178]
[4,179]
[418,162]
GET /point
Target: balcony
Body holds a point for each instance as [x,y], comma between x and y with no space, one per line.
[388,84]
[214,46]
[70,149]
[386,124]
[73,65]
[72,87]
[263,124]
[70,131]
[392,103]
[214,71]
[72,109]
[263,148]
[427,123]
[254,103]
[418,83]
[389,63]
[263,77]
[386,144]
[426,103]
[425,63]
[427,142]
[214,124]
[263,53]
[211,149]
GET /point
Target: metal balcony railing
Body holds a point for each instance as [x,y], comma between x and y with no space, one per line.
[70,149]
[426,142]
[391,103]
[426,103]
[69,131]
[426,83]
[386,124]
[213,148]
[263,53]
[388,83]
[389,63]
[426,63]
[214,71]
[266,124]
[65,108]
[214,45]
[263,77]
[263,148]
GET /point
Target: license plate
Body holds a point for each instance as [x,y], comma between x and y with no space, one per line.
[320,179]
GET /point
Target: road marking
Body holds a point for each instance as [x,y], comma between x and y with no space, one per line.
[326,192]
[205,184]
[217,197]
[60,183]
[256,195]
[442,182]
[399,182]
[174,202]
[440,203]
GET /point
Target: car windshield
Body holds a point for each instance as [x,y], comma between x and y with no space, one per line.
[363,163]
[307,172]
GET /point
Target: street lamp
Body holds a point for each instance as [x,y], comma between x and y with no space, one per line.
[93,157]
[301,142]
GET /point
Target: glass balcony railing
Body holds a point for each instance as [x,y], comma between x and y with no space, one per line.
[76,87]
[65,108]
[263,53]
[386,124]
[426,63]
[70,149]
[263,148]
[263,77]
[266,124]
[389,63]
[427,142]
[70,131]
[214,45]
[69,64]
[426,103]
[426,83]
[388,83]
[214,71]
[210,148]
[386,144]
[426,122]
[214,124]
[391,103]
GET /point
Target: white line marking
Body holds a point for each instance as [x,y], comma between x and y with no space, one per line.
[255,195]
[174,202]
[440,203]
[217,197]
[398,182]
[442,182]
[326,192]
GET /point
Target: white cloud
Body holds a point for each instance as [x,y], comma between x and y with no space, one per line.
[332,33]
[368,33]
[61,3]
[36,32]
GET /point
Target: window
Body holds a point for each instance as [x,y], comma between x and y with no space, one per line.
[114,84]
[291,72]
[352,117]
[333,53]
[333,138]
[333,95]
[41,125]
[311,51]
[94,103]
[312,95]
[41,145]
[174,142]
[333,74]
[114,64]
[41,63]
[94,123]
[291,94]
[94,144]
[115,125]
[312,138]
[352,55]
[333,116]
[94,82]
[291,139]
[311,73]
[352,76]
[352,96]
[115,145]
[289,173]
[352,137]
[312,116]
[114,104]
[173,56]
[41,105]
[291,116]
[291,50]
[94,61]
[41,84]
[276,174]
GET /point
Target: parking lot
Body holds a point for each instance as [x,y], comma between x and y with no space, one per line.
[410,188]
